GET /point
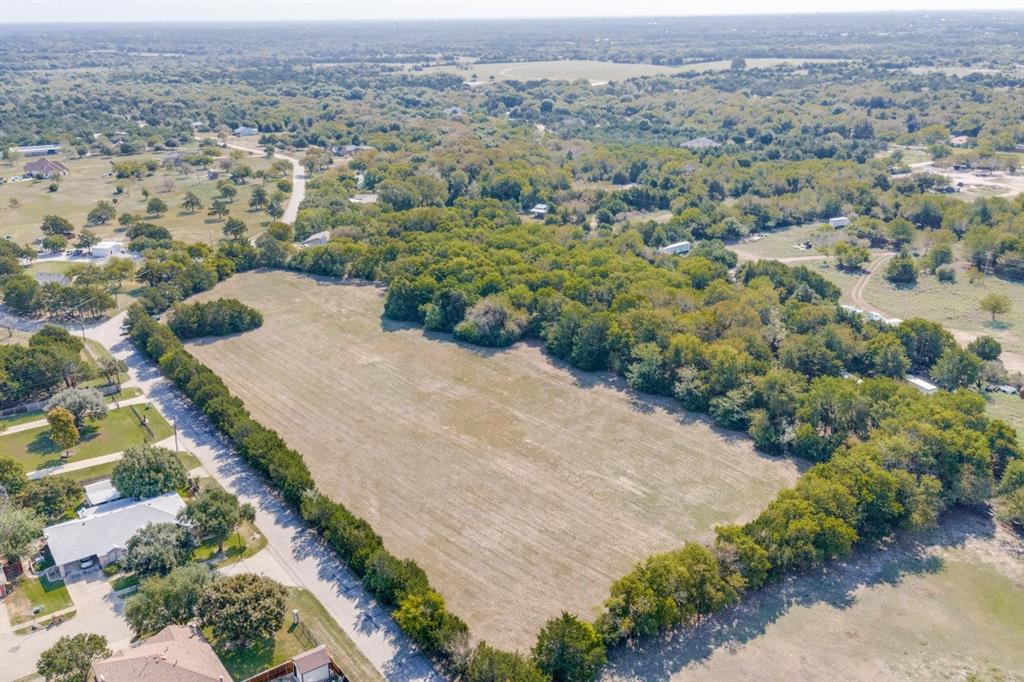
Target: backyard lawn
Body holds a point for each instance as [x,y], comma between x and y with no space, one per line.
[318,627]
[243,543]
[101,471]
[120,429]
[36,593]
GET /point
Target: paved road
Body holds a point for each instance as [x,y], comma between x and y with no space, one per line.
[299,553]
[291,209]
[97,610]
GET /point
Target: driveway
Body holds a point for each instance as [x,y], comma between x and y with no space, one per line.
[97,610]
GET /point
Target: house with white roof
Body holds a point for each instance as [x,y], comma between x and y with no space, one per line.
[103,531]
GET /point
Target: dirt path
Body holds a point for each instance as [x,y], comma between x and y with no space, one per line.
[857,293]
[745,256]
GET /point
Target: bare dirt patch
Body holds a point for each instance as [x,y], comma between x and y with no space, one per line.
[521,487]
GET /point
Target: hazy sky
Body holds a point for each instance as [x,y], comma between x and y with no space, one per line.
[21,11]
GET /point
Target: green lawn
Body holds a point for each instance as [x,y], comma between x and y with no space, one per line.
[124,394]
[954,305]
[319,628]
[88,183]
[243,543]
[36,593]
[1009,408]
[101,471]
[120,429]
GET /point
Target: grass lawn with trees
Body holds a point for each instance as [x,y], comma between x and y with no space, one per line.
[120,429]
[89,182]
[318,627]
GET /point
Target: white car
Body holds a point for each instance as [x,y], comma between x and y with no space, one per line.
[86,564]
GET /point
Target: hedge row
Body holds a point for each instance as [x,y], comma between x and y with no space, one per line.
[402,584]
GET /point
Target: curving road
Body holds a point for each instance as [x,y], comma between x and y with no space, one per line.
[291,209]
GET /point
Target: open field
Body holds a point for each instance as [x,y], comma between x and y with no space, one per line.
[942,606]
[1009,408]
[781,245]
[318,627]
[88,183]
[33,449]
[521,487]
[955,306]
[597,72]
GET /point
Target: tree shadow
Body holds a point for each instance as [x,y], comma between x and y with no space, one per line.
[835,584]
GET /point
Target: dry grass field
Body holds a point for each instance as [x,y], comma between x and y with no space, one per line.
[948,605]
[521,487]
[88,183]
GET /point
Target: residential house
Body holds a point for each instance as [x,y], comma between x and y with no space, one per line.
[38,149]
[178,653]
[246,131]
[540,211]
[676,249]
[959,140]
[700,143]
[103,531]
[45,169]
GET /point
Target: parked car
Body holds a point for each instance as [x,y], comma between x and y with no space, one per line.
[86,564]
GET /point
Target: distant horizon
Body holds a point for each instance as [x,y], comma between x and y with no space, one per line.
[162,12]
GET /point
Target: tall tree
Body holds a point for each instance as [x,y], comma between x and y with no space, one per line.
[215,514]
[148,471]
[243,608]
[158,548]
[995,304]
[70,659]
[63,431]
[569,650]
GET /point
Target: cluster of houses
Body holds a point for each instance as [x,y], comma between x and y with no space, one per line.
[99,537]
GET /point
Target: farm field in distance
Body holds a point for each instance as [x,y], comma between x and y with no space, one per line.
[521,487]
[597,72]
[88,183]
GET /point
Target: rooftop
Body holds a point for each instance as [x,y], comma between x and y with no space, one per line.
[100,492]
[175,654]
[100,533]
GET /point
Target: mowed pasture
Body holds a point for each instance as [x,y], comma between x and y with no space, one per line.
[521,487]
[596,72]
[23,204]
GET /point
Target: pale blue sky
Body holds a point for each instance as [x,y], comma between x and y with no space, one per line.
[22,11]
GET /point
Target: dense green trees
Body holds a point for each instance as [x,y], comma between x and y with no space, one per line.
[158,548]
[569,650]
[163,600]
[242,608]
[215,513]
[70,659]
[213,318]
[147,471]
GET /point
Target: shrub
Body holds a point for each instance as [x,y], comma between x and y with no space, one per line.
[214,318]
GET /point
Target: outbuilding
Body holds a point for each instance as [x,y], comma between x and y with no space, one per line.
[318,239]
[922,385]
[246,131]
[539,211]
[676,249]
[839,221]
[108,248]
